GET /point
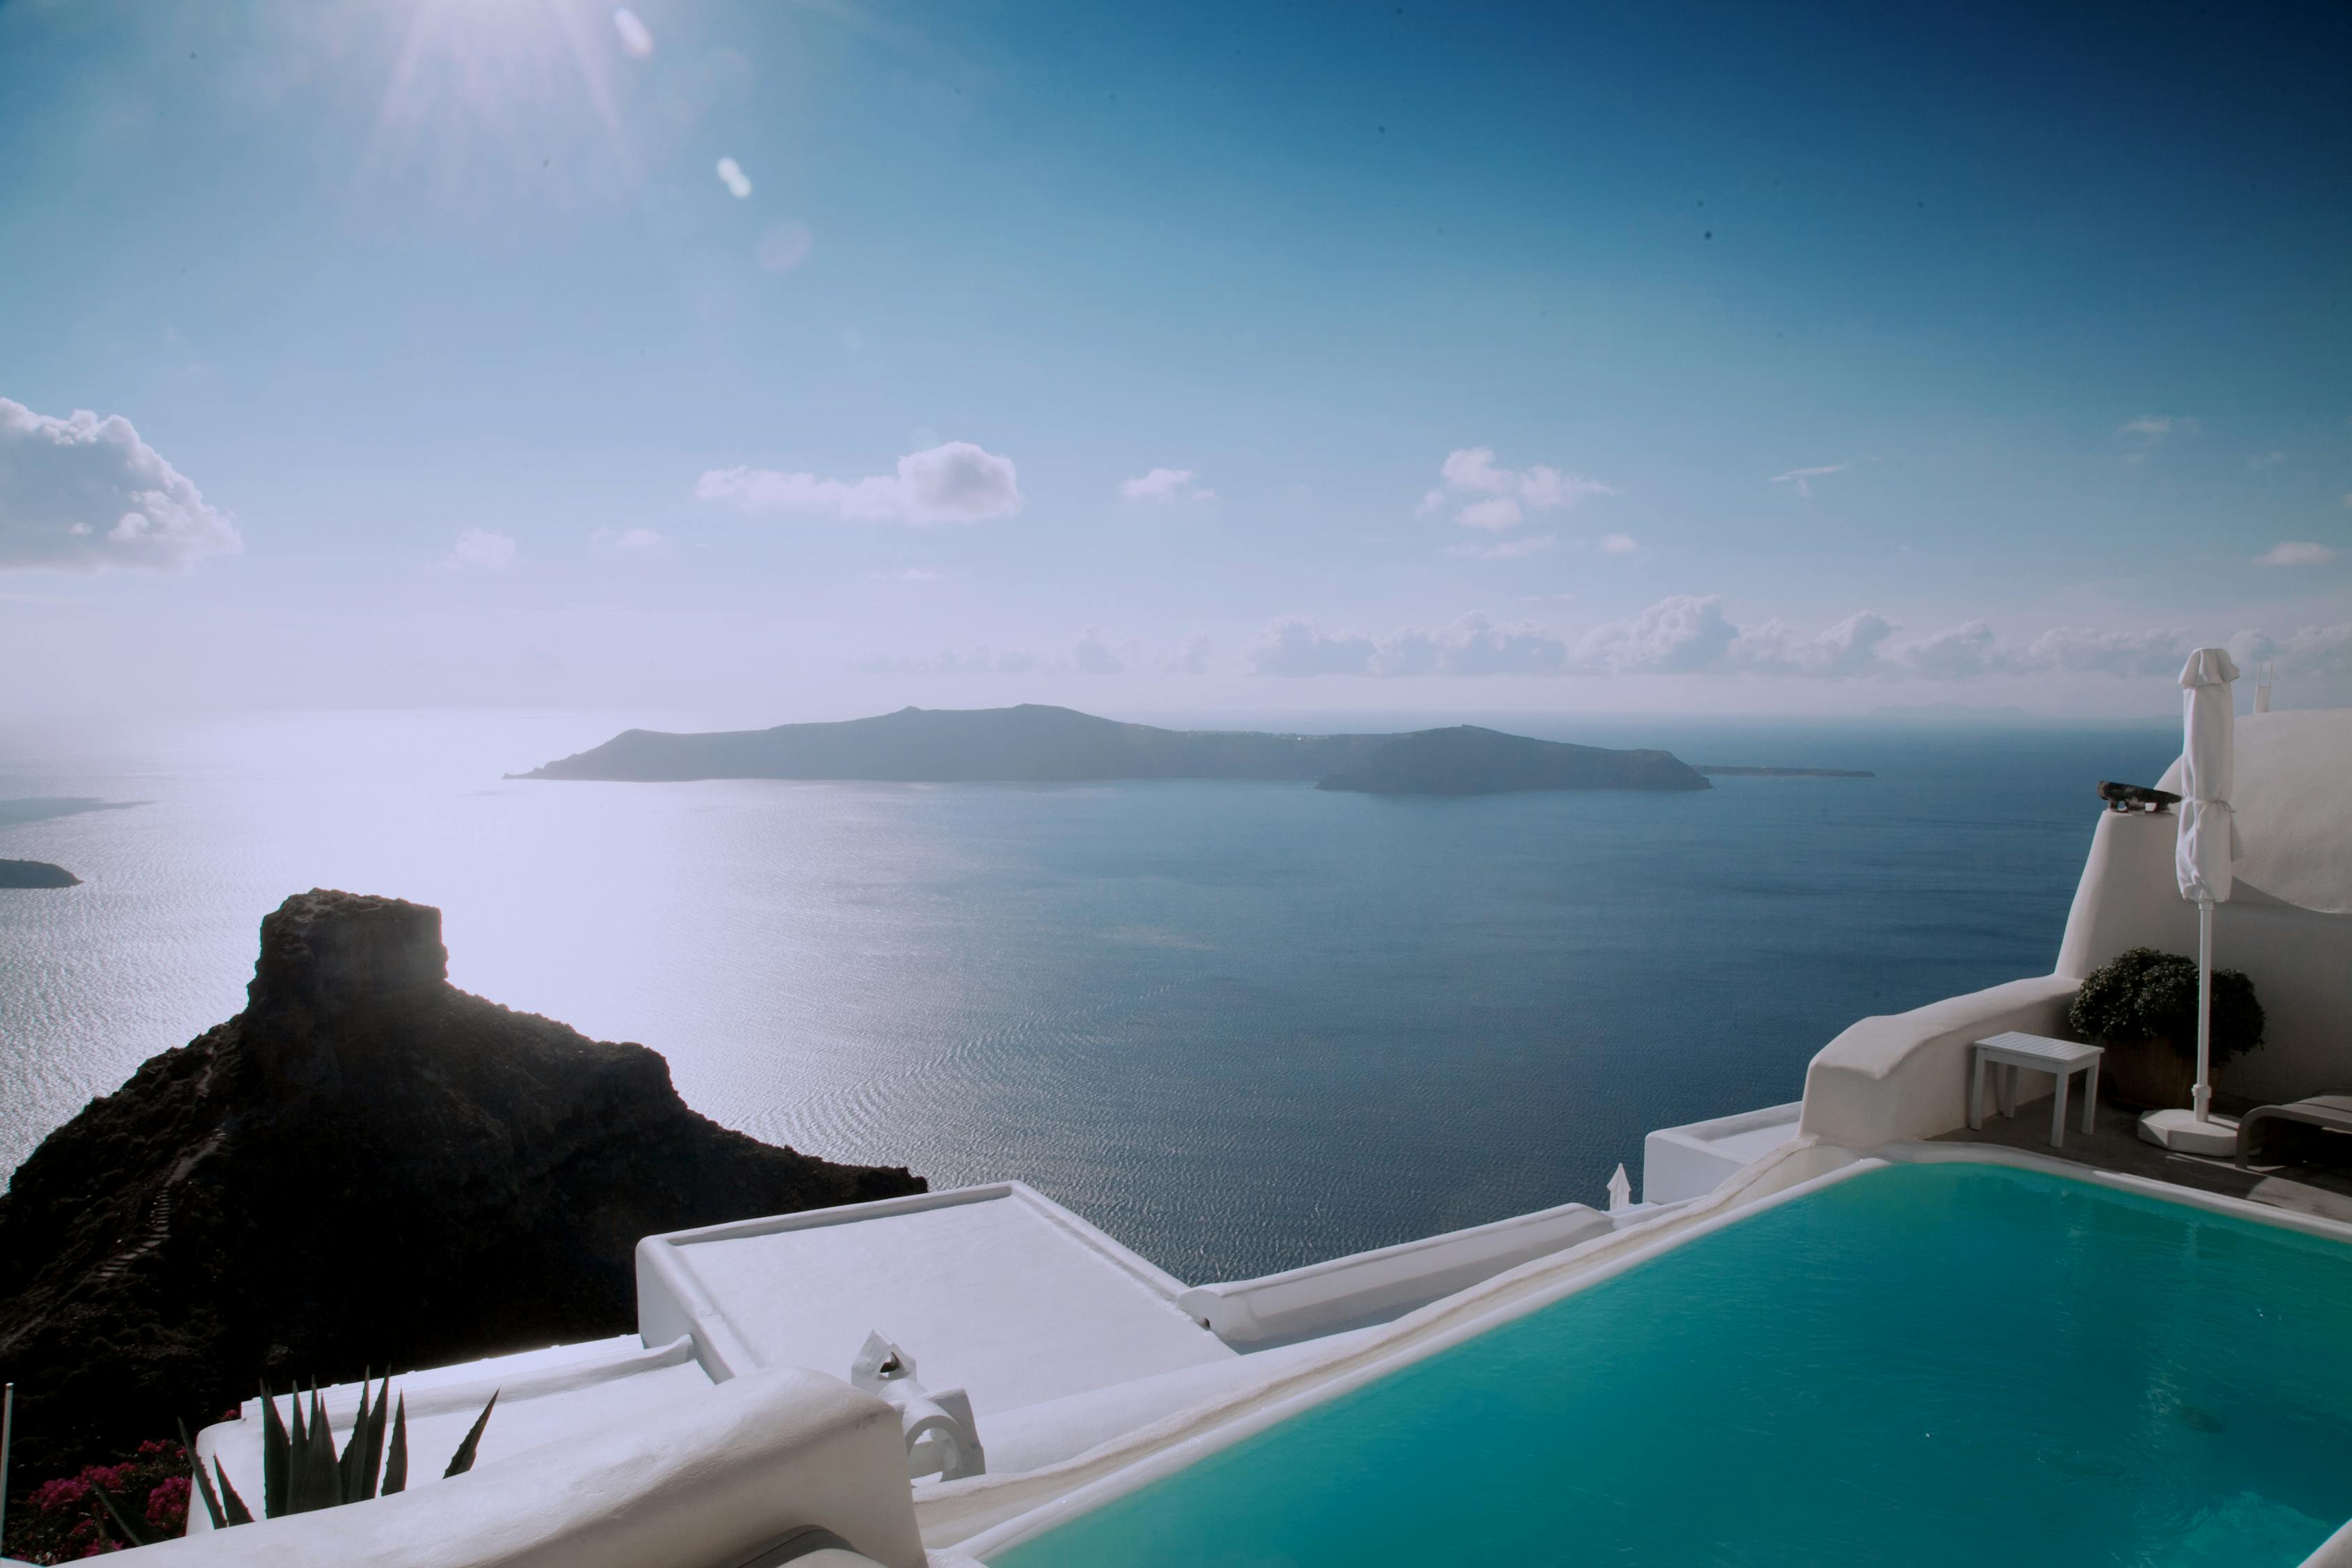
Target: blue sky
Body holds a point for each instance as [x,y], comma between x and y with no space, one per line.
[802,360]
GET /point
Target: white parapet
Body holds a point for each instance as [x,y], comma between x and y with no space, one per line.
[997,1289]
[543,1395]
[1905,1076]
[1369,1287]
[711,1481]
[1689,1162]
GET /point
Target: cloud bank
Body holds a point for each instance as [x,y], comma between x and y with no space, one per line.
[86,494]
[1686,634]
[957,482]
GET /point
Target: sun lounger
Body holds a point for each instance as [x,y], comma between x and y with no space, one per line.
[2327,1113]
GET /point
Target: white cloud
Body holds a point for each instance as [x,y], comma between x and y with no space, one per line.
[981,660]
[1679,634]
[2319,651]
[84,494]
[2156,425]
[1960,653]
[1091,655]
[2296,552]
[957,482]
[784,245]
[1507,550]
[629,541]
[2080,650]
[1494,512]
[1692,635]
[635,37]
[1800,480]
[1297,646]
[1471,645]
[1617,544]
[731,176]
[1165,487]
[1848,649]
[483,549]
[1489,496]
[1192,658]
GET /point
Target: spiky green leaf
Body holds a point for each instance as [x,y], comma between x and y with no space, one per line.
[320,1483]
[347,1475]
[462,1461]
[232,1503]
[136,1533]
[277,1455]
[204,1481]
[395,1463]
[371,1463]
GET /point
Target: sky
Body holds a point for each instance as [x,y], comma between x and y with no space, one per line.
[806,361]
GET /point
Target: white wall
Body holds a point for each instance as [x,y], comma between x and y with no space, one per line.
[706,1483]
[2300,962]
[1359,1289]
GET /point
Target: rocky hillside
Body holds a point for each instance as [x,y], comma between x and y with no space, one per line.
[365,1167]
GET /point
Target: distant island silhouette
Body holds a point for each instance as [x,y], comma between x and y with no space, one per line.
[36,874]
[1034,743]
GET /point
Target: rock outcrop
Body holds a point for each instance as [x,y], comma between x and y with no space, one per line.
[366,1167]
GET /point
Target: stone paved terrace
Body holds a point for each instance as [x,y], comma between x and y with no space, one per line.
[2115,1145]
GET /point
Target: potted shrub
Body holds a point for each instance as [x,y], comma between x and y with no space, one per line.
[2142,1006]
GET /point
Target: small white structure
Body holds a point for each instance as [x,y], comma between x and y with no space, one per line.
[1683,1162]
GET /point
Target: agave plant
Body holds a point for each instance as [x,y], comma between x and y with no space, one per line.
[301,1472]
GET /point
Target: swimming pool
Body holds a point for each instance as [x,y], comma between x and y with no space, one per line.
[1923,1365]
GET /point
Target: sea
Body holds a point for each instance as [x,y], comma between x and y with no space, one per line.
[1240,1026]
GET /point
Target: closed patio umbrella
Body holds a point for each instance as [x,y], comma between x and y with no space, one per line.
[2203,857]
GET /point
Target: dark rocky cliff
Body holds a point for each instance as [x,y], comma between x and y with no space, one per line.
[365,1167]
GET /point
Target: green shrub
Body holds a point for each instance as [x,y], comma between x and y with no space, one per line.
[2144,994]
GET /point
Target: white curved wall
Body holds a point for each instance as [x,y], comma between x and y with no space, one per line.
[2300,962]
[1905,1076]
[709,1482]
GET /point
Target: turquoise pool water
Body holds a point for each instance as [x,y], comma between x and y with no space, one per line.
[1925,1364]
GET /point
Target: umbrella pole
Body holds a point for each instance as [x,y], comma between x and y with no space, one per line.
[2202,1096]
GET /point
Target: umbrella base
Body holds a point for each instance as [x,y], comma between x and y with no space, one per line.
[2180,1131]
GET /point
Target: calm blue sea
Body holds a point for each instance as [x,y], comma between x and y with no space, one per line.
[1242,1027]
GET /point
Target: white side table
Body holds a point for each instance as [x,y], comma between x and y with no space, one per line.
[2060,1059]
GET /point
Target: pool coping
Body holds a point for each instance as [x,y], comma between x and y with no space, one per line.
[1579,1269]
[1170,1446]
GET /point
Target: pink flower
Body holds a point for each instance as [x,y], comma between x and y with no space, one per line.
[58,1495]
[167,1504]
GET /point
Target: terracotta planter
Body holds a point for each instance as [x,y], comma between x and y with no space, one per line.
[2146,1074]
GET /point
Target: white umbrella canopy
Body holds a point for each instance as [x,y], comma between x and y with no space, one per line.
[2202,856]
[2202,861]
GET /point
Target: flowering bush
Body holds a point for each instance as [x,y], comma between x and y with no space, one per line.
[62,1519]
